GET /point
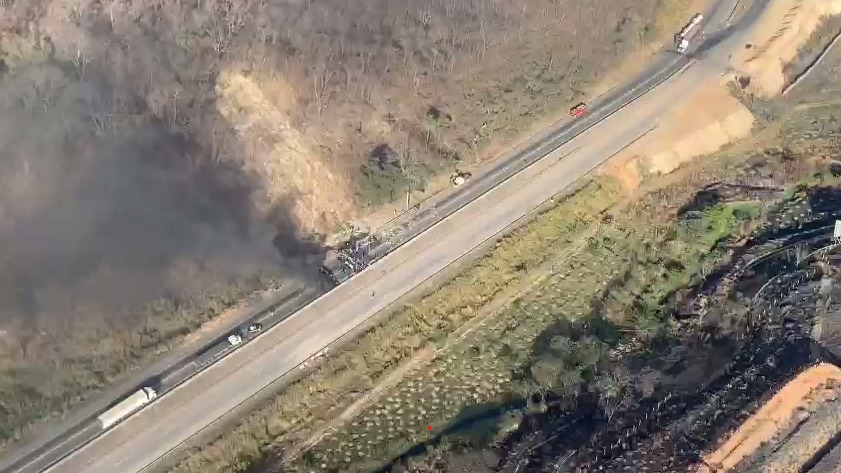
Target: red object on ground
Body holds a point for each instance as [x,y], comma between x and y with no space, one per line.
[428,427]
[578,110]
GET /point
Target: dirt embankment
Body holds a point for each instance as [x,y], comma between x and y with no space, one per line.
[705,123]
[712,118]
[289,164]
[789,408]
[775,40]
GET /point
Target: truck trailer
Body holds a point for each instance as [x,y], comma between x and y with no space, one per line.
[685,34]
[125,407]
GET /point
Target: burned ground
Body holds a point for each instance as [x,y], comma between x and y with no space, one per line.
[687,413]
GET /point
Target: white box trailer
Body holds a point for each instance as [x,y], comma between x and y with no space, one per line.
[683,37]
[125,407]
[695,21]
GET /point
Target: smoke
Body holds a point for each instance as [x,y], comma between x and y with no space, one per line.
[100,207]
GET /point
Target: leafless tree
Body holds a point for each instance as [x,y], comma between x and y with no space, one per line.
[321,83]
[228,18]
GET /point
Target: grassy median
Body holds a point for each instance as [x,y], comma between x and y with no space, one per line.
[469,354]
[306,406]
[548,271]
[451,373]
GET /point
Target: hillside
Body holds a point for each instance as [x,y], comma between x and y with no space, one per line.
[163,160]
[630,326]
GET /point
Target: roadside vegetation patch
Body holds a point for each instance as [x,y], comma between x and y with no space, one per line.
[631,258]
[549,339]
[307,405]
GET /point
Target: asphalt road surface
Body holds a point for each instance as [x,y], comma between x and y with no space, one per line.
[81,426]
[414,222]
[531,177]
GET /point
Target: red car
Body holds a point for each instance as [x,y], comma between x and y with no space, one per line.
[578,110]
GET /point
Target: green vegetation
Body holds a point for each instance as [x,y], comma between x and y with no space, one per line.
[564,364]
[307,405]
[534,315]
[718,222]
[526,313]
[384,182]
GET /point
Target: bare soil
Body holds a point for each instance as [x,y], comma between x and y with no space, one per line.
[706,122]
[772,418]
[776,40]
[712,117]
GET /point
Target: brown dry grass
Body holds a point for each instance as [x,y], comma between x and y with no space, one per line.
[315,87]
[287,162]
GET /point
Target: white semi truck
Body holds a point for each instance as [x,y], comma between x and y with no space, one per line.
[685,35]
[125,407]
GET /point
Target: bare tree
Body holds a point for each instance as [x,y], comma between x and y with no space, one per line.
[321,82]
[228,18]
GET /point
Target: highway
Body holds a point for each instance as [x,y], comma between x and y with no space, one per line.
[487,205]
[167,373]
[425,214]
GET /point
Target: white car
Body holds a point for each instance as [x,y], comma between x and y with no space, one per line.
[460,178]
[234,340]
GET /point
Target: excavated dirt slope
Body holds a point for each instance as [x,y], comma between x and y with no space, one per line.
[788,408]
[712,118]
[709,120]
[776,38]
[288,163]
